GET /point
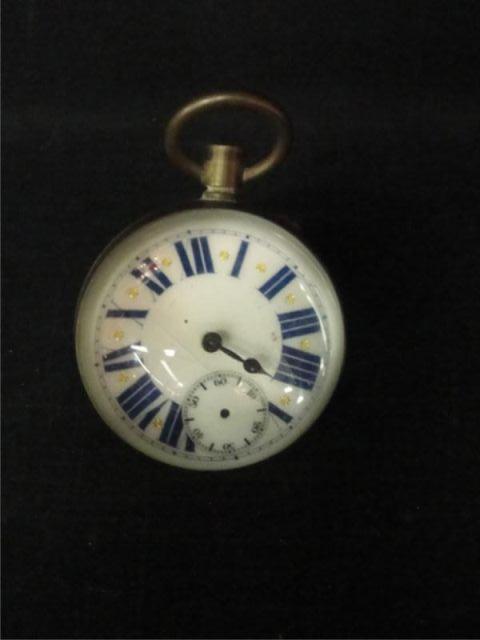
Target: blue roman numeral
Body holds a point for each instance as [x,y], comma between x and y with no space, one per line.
[298,323]
[277,282]
[202,257]
[124,358]
[152,277]
[173,425]
[239,259]
[138,397]
[150,415]
[142,398]
[127,313]
[276,411]
[298,368]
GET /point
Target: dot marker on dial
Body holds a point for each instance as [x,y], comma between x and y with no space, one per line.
[285,401]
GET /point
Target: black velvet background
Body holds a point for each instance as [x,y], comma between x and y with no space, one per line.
[369,525]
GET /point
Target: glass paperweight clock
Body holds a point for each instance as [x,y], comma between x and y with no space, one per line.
[210,338]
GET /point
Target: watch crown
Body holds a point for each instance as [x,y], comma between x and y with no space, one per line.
[222,172]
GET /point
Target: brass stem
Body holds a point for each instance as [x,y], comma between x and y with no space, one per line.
[222,172]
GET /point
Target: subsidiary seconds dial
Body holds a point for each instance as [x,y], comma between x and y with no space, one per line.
[225,412]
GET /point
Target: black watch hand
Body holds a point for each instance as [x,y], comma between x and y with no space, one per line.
[232,354]
[253,366]
[213,342]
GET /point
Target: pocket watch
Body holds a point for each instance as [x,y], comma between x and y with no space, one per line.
[210,338]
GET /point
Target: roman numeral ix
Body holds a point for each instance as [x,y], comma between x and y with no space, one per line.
[127,313]
[124,358]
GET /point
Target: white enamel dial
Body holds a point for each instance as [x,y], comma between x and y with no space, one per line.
[210,338]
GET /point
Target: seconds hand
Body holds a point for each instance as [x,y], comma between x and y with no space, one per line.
[213,342]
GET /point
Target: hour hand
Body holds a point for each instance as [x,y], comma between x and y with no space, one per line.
[253,366]
[232,354]
[213,342]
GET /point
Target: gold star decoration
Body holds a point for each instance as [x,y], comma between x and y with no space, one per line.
[305,343]
[118,335]
[123,377]
[132,293]
[261,266]
[157,423]
[285,401]
[290,298]
[166,262]
[224,255]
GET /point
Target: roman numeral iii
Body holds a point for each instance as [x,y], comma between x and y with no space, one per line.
[298,323]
